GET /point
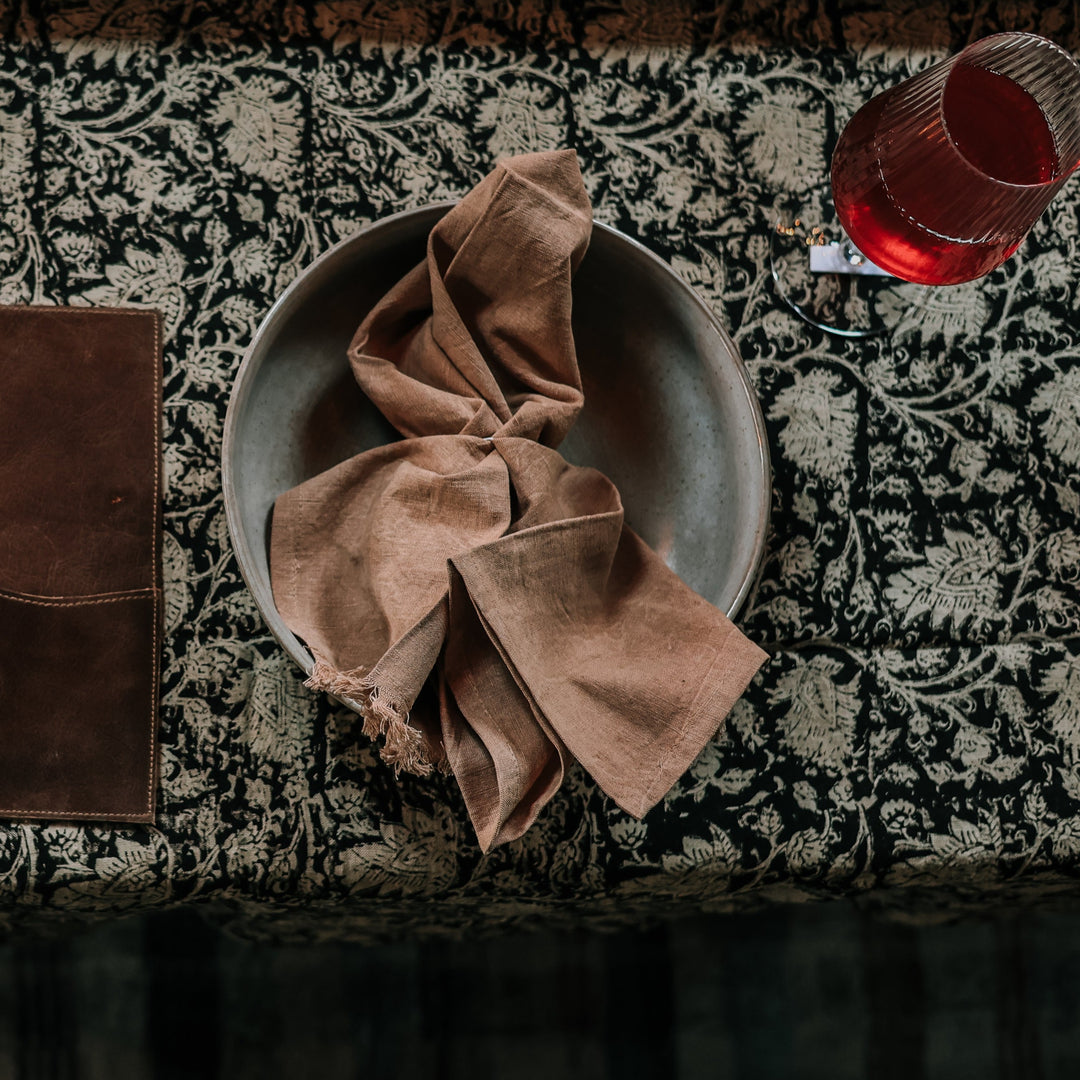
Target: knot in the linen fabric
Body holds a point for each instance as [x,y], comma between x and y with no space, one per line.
[477,340]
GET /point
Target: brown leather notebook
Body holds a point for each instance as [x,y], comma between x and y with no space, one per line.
[80,562]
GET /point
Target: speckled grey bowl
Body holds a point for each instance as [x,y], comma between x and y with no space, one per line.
[669,415]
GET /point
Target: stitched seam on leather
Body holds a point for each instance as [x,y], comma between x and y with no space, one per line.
[78,309]
[77,601]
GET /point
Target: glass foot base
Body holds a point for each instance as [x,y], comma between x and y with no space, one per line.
[824,279]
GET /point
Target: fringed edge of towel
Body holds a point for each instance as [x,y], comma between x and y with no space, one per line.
[404,746]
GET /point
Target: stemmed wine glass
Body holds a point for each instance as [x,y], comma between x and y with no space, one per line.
[934,182]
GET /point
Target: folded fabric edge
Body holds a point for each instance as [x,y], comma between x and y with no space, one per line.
[739,662]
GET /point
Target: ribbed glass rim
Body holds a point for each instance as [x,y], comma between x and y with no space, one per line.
[1010,35]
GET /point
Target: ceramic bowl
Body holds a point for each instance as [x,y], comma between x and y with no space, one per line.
[670,415]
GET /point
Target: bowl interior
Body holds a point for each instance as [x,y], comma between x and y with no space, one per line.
[669,415]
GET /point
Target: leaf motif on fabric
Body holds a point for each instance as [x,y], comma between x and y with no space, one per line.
[957,314]
[176,572]
[805,851]
[1065,840]
[786,133]
[972,746]
[414,856]
[1050,272]
[706,274]
[969,844]
[1061,686]
[150,277]
[276,722]
[1060,401]
[959,582]
[1068,498]
[819,435]
[797,558]
[16,157]
[819,721]
[263,128]
[969,461]
[131,872]
[525,118]
[717,849]
[1063,555]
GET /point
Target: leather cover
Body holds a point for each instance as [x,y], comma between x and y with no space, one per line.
[80,562]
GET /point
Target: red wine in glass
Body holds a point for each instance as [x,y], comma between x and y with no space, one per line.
[938,180]
[935,182]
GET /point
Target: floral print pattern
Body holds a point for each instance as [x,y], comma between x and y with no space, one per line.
[914,740]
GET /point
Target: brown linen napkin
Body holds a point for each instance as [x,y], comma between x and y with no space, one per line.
[471,551]
[80,566]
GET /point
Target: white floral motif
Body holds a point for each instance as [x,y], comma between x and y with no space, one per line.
[177,575]
[787,139]
[956,314]
[263,131]
[1050,273]
[154,278]
[957,583]
[413,857]
[275,723]
[1062,717]
[820,431]
[524,120]
[818,724]
[1060,400]
[16,145]
[717,851]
